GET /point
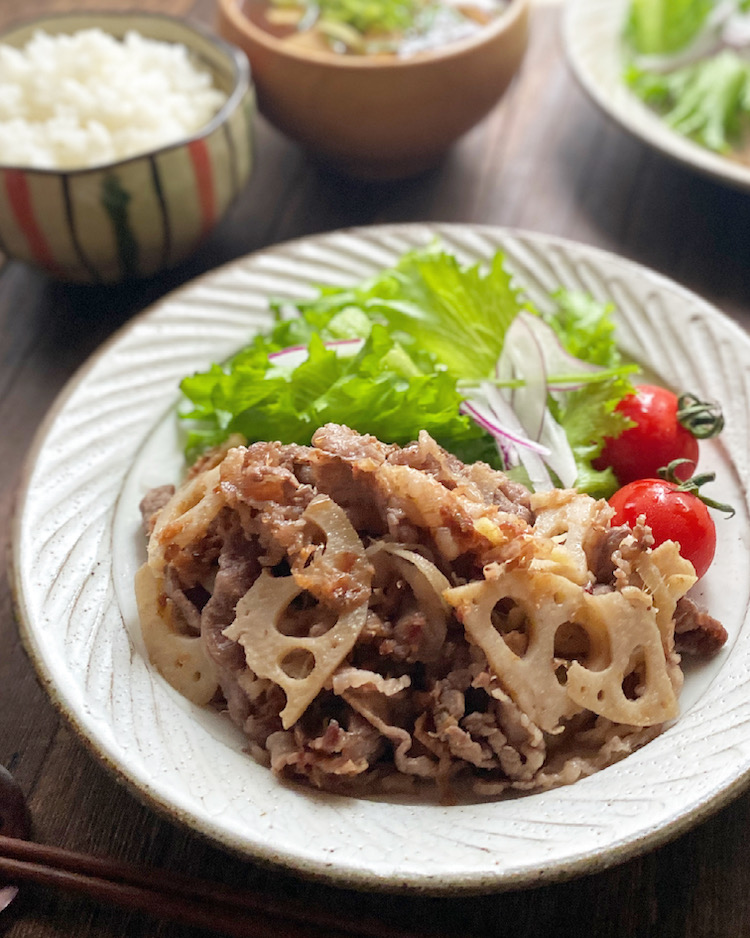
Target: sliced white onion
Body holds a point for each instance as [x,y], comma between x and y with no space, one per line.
[561,459]
[532,455]
[523,356]
[532,351]
[519,418]
[557,359]
[428,585]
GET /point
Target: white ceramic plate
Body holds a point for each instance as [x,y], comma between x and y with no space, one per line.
[592,35]
[76,544]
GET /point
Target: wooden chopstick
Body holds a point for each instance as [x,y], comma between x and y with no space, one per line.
[240,913]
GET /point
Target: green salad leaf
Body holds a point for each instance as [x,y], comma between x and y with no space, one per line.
[415,333]
[585,328]
[588,416]
[705,101]
[431,303]
[660,27]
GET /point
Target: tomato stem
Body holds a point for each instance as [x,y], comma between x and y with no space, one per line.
[703,419]
[693,485]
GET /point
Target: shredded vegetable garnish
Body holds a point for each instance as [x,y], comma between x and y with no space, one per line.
[434,345]
[370,27]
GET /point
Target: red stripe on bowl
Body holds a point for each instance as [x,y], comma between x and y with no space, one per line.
[19,196]
[201,161]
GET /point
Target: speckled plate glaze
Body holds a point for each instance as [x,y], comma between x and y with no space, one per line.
[76,544]
[592,33]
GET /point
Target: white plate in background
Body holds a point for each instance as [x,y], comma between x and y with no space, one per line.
[592,37]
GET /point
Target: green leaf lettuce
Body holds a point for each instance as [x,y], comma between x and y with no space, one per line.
[424,325]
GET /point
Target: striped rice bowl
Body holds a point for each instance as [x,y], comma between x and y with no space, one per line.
[139,215]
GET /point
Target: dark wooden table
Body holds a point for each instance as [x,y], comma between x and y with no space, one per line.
[544,160]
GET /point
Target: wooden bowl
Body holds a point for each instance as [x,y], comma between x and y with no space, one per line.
[136,216]
[379,117]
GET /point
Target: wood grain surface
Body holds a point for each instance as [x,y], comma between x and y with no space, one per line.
[545,160]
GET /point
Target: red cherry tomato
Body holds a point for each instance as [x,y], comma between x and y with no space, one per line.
[672,515]
[656,439]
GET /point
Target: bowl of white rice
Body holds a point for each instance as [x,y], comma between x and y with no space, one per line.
[124,139]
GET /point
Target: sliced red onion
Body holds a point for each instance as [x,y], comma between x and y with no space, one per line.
[505,444]
[532,455]
[486,418]
[286,351]
[494,413]
[294,355]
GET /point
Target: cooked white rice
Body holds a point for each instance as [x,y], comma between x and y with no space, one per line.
[71,101]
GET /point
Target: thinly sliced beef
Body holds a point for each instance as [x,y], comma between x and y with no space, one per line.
[477,481]
[238,568]
[152,503]
[600,551]
[695,631]
[412,697]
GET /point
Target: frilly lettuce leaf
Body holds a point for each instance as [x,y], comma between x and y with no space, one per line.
[432,303]
[394,387]
[588,416]
[585,327]
[426,324]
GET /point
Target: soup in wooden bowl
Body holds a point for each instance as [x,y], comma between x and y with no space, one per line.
[378,90]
